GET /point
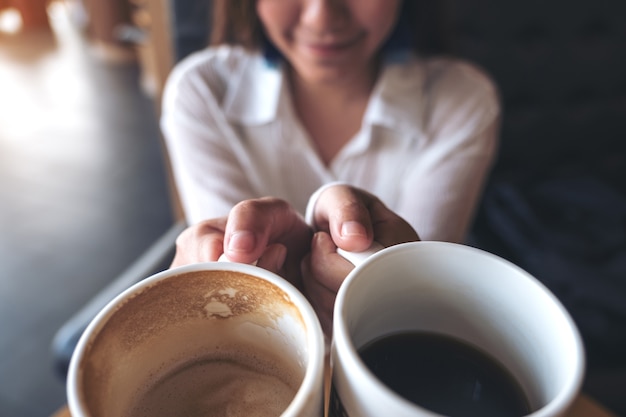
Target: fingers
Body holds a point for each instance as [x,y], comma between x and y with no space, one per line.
[389,228]
[273,259]
[202,242]
[253,224]
[323,272]
[329,268]
[344,212]
[354,217]
[267,231]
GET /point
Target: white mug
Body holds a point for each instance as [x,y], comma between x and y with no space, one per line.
[457,291]
[164,336]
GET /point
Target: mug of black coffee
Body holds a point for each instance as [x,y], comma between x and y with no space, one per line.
[443,329]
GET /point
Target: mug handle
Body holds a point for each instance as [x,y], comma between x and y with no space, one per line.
[223,258]
[357,258]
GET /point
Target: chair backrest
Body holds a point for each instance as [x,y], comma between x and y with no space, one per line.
[190,26]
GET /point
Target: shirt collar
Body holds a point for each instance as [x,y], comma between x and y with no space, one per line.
[253,95]
[397,100]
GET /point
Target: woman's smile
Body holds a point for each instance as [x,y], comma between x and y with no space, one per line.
[328,40]
[330,49]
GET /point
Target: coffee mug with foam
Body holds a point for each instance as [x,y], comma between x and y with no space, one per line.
[460,293]
[209,339]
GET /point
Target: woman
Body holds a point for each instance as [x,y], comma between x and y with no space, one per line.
[294,95]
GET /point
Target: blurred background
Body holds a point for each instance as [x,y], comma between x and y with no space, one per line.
[85,190]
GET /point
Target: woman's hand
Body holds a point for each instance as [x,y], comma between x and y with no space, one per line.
[348,218]
[266,230]
[272,233]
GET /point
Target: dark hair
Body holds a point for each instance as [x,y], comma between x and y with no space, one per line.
[423,26]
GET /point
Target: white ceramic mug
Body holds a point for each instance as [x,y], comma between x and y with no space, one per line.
[192,322]
[457,291]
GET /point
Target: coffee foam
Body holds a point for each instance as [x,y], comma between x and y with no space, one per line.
[232,383]
[207,294]
[184,317]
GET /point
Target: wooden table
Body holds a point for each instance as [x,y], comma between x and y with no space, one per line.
[583,407]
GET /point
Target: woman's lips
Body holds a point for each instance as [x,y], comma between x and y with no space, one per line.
[327,49]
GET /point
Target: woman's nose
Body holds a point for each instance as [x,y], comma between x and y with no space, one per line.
[324,15]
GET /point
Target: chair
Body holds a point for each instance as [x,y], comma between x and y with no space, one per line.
[156,258]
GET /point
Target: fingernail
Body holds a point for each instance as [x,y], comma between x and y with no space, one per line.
[353,229]
[243,241]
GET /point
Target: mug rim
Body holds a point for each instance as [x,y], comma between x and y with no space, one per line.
[313,374]
[342,339]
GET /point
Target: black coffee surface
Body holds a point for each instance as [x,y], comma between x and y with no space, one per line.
[445,375]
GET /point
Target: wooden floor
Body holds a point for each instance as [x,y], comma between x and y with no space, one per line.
[82,193]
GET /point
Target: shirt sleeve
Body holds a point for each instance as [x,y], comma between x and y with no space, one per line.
[208,173]
[461,127]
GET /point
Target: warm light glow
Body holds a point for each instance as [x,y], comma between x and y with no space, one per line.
[10,21]
[45,89]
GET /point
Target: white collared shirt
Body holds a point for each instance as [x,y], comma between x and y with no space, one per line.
[427,140]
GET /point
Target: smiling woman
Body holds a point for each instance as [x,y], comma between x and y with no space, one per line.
[294,95]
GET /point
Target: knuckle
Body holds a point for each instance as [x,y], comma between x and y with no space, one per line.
[265,207]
